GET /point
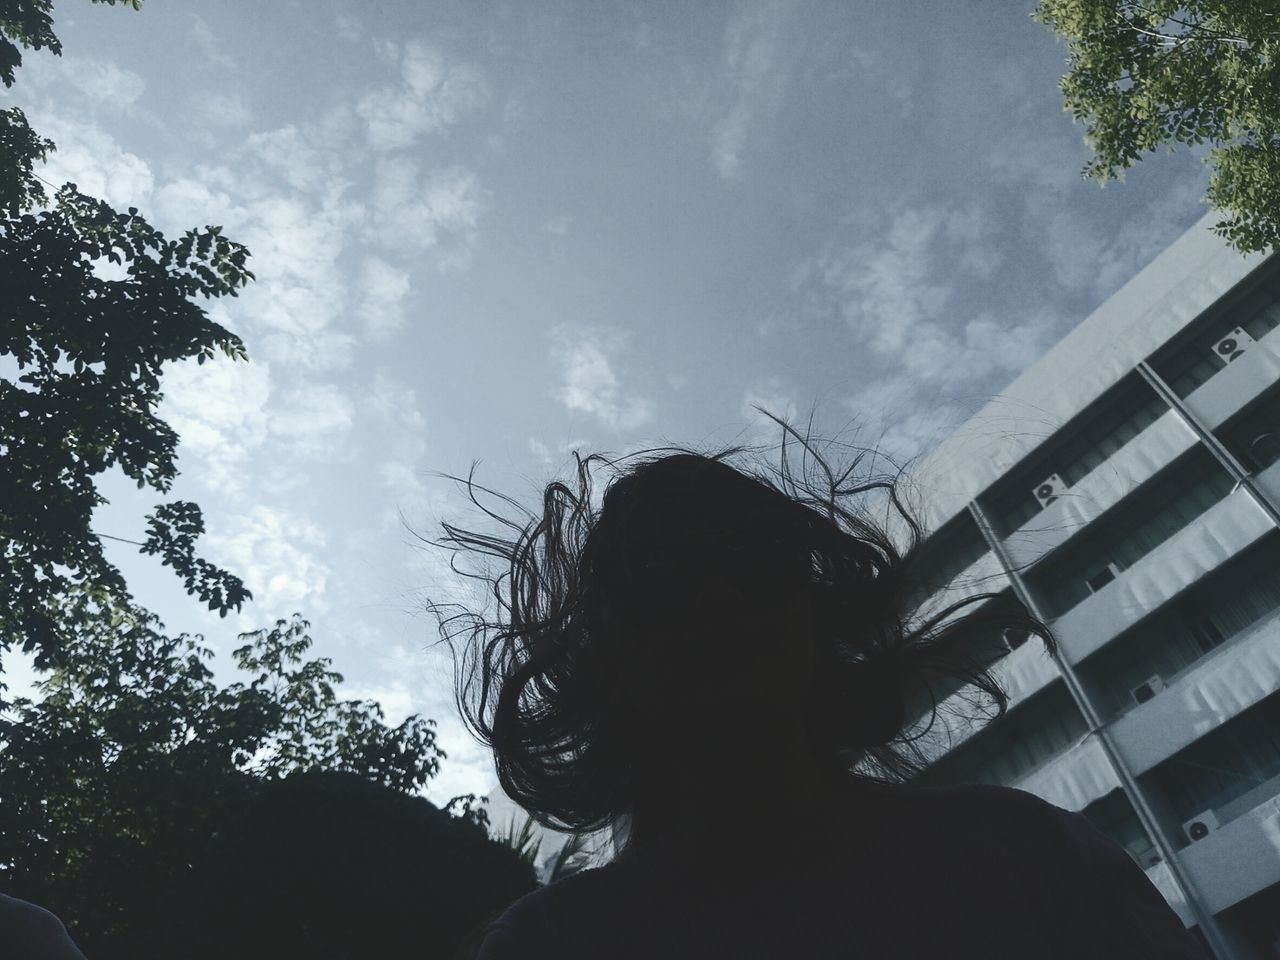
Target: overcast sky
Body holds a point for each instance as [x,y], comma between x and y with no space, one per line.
[503,231]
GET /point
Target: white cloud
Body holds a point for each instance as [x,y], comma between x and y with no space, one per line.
[882,285]
[871,66]
[777,400]
[896,294]
[289,154]
[755,75]
[278,555]
[104,83]
[218,409]
[202,35]
[590,383]
[349,28]
[92,159]
[559,225]
[380,299]
[422,210]
[222,108]
[429,97]
[225,410]
[392,403]
[312,420]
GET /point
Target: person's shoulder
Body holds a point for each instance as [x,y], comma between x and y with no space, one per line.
[538,914]
[38,931]
[981,804]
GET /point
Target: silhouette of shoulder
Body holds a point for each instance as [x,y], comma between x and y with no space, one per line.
[995,869]
[30,932]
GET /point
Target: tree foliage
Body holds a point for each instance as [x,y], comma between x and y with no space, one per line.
[129,760]
[95,348]
[116,776]
[1143,74]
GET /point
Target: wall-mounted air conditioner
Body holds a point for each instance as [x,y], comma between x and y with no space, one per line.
[1147,689]
[1199,826]
[1233,344]
[1102,577]
[1049,489]
[1264,449]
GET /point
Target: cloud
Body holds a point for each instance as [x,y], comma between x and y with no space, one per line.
[219,410]
[226,410]
[222,108]
[755,76]
[202,35]
[871,66]
[92,159]
[559,225]
[393,405]
[887,288]
[311,420]
[288,153]
[907,297]
[590,384]
[380,299]
[424,209]
[777,400]
[429,97]
[277,554]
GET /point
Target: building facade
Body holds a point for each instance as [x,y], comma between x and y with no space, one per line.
[1126,489]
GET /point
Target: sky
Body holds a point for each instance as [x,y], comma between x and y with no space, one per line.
[502,232]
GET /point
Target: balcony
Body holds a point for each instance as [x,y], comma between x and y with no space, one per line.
[1223,530]
[1133,464]
[1074,778]
[1236,675]
[1162,878]
[1268,482]
[1021,673]
[1244,378]
[1237,859]
[984,575]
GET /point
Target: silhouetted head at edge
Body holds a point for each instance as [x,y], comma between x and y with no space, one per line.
[709,653]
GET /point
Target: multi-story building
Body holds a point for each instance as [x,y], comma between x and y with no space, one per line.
[1126,489]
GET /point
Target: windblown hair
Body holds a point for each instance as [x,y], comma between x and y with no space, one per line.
[546,709]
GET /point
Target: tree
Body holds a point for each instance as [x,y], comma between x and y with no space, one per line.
[1146,73]
[59,427]
[328,865]
[151,755]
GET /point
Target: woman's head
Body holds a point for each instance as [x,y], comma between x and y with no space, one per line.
[699,598]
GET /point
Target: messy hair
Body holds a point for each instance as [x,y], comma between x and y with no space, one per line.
[545,707]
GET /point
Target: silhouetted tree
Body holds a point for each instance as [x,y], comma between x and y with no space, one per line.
[329,865]
[116,776]
[95,349]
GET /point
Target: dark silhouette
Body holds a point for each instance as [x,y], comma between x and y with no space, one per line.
[30,932]
[718,669]
[327,865]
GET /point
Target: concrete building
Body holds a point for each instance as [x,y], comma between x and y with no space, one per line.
[1126,489]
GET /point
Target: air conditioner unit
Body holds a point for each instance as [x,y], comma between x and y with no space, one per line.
[1102,577]
[1049,489]
[1147,689]
[1199,826]
[1233,344]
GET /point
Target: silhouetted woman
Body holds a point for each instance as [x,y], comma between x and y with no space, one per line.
[715,667]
